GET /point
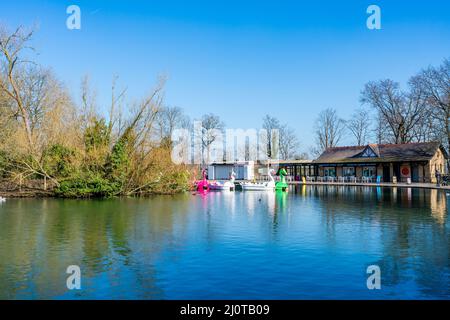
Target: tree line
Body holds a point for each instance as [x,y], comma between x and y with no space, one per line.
[390,114]
[72,149]
[77,149]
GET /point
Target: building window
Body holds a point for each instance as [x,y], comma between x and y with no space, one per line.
[367,153]
[369,171]
[330,172]
[349,171]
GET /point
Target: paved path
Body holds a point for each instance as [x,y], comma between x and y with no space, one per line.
[371,184]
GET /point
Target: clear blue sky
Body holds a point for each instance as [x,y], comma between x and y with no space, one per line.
[239,59]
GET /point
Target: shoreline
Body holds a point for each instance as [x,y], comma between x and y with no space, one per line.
[372,184]
[36,193]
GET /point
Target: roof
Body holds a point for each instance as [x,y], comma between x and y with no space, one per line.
[289,162]
[420,151]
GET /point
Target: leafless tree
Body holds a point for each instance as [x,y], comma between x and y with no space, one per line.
[33,92]
[359,126]
[401,111]
[270,124]
[169,119]
[13,66]
[329,130]
[379,131]
[434,82]
[212,125]
[88,108]
[115,110]
[288,146]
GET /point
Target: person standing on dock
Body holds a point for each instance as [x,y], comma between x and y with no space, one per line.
[438,177]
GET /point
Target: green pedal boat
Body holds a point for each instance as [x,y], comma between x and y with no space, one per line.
[281,185]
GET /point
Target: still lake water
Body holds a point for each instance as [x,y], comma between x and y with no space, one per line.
[313,243]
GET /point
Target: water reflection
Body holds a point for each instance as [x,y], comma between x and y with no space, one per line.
[410,226]
[299,244]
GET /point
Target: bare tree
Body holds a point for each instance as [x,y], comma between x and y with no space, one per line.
[401,111]
[115,110]
[289,143]
[211,126]
[359,126]
[270,124]
[169,119]
[32,90]
[88,108]
[12,46]
[329,130]
[434,82]
[288,146]
[379,131]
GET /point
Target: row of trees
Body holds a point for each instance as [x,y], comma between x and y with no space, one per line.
[74,148]
[389,114]
[288,147]
[77,150]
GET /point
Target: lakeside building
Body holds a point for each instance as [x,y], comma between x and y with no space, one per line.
[415,162]
[296,169]
[245,170]
[250,170]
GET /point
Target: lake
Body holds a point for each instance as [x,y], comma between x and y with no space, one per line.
[314,242]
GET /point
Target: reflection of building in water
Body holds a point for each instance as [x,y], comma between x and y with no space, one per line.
[270,202]
[229,201]
[379,194]
[254,200]
[303,192]
[251,202]
[406,197]
[394,194]
[438,204]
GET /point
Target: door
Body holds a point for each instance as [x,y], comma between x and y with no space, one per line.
[415,173]
[397,171]
[386,174]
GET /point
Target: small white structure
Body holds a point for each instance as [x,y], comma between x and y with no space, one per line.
[225,185]
[221,171]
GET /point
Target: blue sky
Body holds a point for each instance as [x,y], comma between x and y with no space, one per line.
[239,59]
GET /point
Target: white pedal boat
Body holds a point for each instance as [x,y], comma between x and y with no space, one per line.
[223,185]
[260,186]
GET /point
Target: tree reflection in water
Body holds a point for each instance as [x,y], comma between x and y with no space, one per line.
[411,225]
[225,244]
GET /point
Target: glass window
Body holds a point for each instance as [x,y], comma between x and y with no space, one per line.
[368,152]
[369,171]
[330,172]
[349,171]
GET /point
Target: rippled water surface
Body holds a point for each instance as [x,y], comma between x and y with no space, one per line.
[315,242]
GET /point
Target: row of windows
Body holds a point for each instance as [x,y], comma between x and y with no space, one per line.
[350,171]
